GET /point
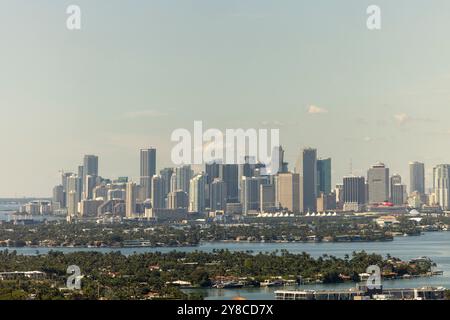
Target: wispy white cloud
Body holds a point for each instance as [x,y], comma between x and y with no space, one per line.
[402,118]
[316,110]
[145,114]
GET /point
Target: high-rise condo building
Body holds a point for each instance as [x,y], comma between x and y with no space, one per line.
[72,204]
[398,194]
[166,175]
[378,183]
[145,189]
[173,183]
[197,193]
[177,200]
[395,179]
[183,177]
[218,198]
[130,200]
[212,171]
[90,184]
[324,176]
[90,168]
[229,173]
[441,183]
[148,162]
[157,193]
[58,196]
[147,171]
[416,177]
[73,184]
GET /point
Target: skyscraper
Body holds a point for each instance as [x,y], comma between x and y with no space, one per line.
[72,204]
[166,175]
[130,202]
[354,193]
[197,193]
[250,192]
[417,177]
[183,176]
[289,192]
[324,176]
[229,173]
[58,195]
[148,162]
[90,168]
[177,200]
[398,194]
[73,184]
[173,183]
[307,168]
[157,193]
[441,183]
[147,171]
[90,184]
[267,197]
[212,171]
[282,165]
[378,183]
[218,198]
[145,190]
[395,179]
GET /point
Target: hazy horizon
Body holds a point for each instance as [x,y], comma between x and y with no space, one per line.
[136,72]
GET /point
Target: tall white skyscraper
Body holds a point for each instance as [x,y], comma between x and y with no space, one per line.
[441,183]
[73,184]
[72,204]
[130,202]
[197,193]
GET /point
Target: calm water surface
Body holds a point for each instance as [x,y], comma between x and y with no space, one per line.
[435,245]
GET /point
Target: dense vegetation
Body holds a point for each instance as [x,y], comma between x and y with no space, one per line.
[54,234]
[151,275]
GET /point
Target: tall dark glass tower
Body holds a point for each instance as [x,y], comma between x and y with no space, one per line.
[324,176]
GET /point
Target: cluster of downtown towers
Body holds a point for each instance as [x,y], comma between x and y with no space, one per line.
[242,188]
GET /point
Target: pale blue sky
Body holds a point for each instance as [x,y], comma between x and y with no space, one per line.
[140,69]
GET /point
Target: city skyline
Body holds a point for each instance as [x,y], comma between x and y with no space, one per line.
[123,83]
